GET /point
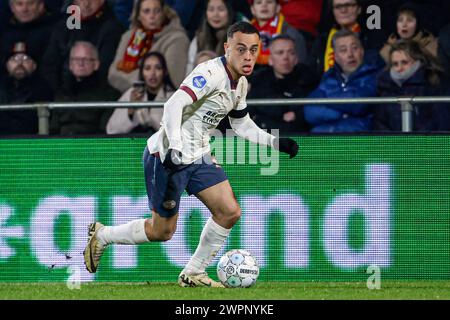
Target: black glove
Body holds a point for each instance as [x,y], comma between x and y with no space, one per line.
[287,145]
[172,161]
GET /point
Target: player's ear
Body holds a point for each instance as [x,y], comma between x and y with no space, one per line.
[226,48]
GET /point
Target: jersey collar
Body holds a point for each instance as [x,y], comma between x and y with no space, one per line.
[233,83]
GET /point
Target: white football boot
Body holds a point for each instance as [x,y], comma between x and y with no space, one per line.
[198,280]
[94,249]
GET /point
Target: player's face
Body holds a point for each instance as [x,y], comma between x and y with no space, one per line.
[282,57]
[241,52]
[406,26]
[217,14]
[153,73]
[349,54]
[151,14]
[401,61]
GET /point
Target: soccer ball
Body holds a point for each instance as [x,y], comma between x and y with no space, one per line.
[237,269]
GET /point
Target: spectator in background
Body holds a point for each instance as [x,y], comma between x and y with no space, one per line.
[204,56]
[444,48]
[271,23]
[347,16]
[212,33]
[409,27]
[30,23]
[22,84]
[411,72]
[350,77]
[303,15]
[285,78]
[154,85]
[122,10]
[154,27]
[84,85]
[99,26]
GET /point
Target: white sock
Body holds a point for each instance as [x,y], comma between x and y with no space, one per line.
[131,233]
[211,240]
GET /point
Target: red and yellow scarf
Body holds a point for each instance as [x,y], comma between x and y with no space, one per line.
[271,29]
[139,44]
[328,61]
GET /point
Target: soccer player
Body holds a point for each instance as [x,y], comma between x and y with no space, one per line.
[177,157]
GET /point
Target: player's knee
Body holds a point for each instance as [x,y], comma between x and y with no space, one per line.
[233,214]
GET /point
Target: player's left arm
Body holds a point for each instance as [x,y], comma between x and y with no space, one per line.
[243,125]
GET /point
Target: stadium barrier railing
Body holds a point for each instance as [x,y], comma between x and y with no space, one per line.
[406,104]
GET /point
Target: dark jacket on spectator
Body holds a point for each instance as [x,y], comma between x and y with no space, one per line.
[35,34]
[29,90]
[103,30]
[343,117]
[426,117]
[444,48]
[264,85]
[82,121]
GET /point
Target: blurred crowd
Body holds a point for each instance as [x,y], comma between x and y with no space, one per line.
[141,50]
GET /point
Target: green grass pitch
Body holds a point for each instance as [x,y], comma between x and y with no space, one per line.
[393,290]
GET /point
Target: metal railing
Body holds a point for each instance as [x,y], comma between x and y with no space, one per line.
[406,105]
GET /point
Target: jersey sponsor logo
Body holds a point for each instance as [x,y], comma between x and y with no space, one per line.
[213,117]
[199,82]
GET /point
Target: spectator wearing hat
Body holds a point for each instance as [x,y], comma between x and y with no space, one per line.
[22,84]
[30,23]
[83,85]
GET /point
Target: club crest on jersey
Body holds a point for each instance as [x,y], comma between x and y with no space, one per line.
[199,82]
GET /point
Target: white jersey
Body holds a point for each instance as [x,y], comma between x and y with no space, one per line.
[212,89]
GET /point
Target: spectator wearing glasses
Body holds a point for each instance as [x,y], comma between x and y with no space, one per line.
[30,23]
[21,84]
[99,26]
[83,85]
